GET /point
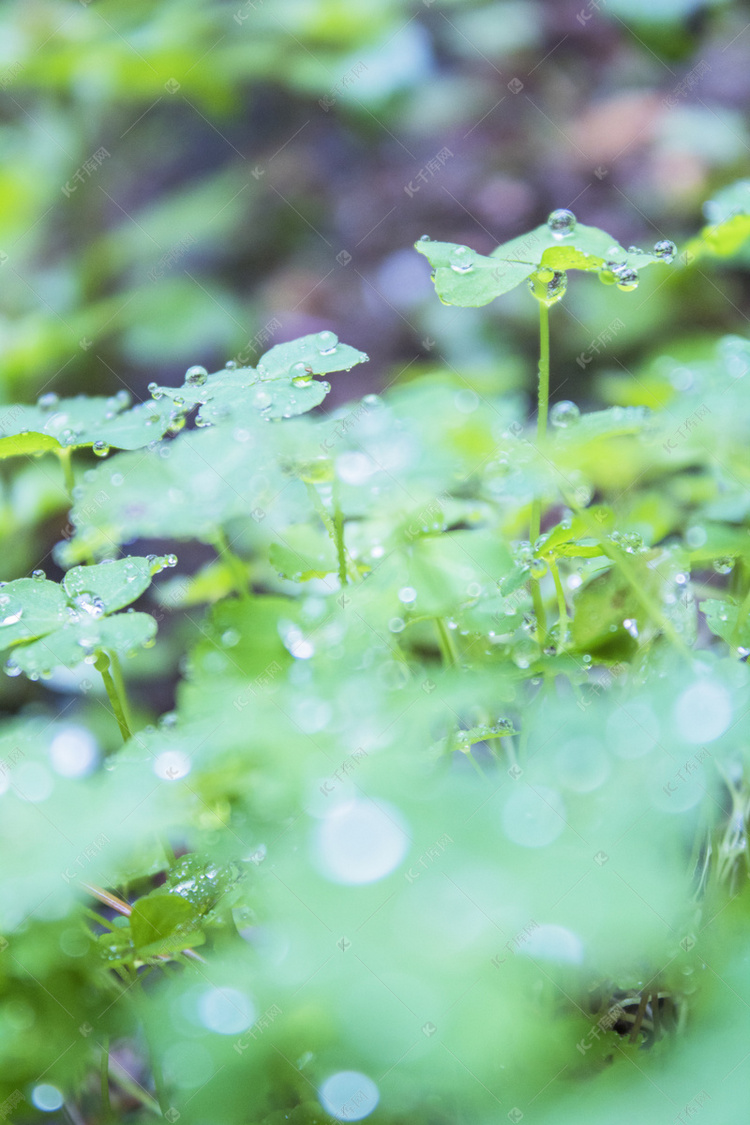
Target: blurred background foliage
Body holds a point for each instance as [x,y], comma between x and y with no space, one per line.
[177,177]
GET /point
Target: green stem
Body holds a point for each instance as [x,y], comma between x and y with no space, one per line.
[64,456]
[562,608]
[338,534]
[116,672]
[118,702]
[448,649]
[535,519]
[233,562]
[334,525]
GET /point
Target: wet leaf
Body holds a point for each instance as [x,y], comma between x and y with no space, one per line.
[280,386]
[464,277]
[50,625]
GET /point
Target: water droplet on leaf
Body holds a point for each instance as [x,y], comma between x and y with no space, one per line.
[462,259]
[326,342]
[627,278]
[561,222]
[546,288]
[196,376]
[100,448]
[564,414]
[723,565]
[665,249]
[301,375]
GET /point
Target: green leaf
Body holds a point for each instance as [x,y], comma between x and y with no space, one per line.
[52,626]
[464,277]
[305,553]
[573,528]
[117,583]
[69,645]
[601,606]
[721,541]
[186,488]
[729,224]
[281,385]
[721,618]
[24,444]
[75,422]
[479,285]
[30,608]
[163,922]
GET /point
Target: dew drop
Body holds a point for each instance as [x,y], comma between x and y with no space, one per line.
[100,448]
[723,565]
[462,259]
[301,375]
[12,612]
[548,286]
[48,401]
[11,669]
[537,568]
[196,376]
[38,575]
[424,238]
[123,399]
[231,365]
[90,604]
[561,222]
[627,278]
[326,342]
[564,414]
[665,249]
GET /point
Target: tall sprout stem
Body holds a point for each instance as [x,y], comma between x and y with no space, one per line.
[535,520]
[117,697]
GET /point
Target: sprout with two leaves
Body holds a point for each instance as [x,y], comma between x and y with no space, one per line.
[48,625]
[541,258]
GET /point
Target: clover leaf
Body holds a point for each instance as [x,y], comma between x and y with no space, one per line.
[728,228]
[464,277]
[281,385]
[54,423]
[48,624]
